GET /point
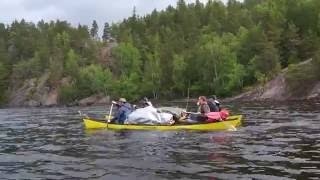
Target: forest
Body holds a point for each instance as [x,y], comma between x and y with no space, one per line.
[202,48]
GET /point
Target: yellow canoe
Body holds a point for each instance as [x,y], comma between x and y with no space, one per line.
[230,123]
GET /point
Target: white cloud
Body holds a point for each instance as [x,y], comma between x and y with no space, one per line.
[78,11]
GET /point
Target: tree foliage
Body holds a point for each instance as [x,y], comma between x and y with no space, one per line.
[3,83]
[106,32]
[219,48]
[72,63]
[96,79]
[94,30]
[128,59]
[29,50]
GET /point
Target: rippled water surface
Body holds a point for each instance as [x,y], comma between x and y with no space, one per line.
[275,142]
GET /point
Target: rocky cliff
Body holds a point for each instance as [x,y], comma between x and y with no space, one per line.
[33,92]
[36,92]
[278,89]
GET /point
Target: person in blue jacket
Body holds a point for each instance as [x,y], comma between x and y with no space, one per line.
[124,109]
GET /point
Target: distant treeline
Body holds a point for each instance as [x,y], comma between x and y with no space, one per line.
[218,48]
[211,48]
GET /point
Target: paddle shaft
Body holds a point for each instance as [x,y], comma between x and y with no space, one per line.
[188,99]
[109,117]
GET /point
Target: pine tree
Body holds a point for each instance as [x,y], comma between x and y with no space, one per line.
[290,45]
[106,33]
[94,30]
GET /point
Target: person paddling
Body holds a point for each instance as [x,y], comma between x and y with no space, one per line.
[124,109]
[203,109]
[200,116]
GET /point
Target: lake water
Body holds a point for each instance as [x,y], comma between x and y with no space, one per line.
[275,142]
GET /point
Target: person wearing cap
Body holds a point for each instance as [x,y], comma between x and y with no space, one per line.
[124,109]
[213,104]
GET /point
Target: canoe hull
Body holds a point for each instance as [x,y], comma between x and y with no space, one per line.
[230,123]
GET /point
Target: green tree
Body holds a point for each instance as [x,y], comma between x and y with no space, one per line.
[106,32]
[72,64]
[3,52]
[69,93]
[237,17]
[270,15]
[152,72]
[309,45]
[179,69]
[256,53]
[95,79]
[22,44]
[290,46]
[128,59]
[302,77]
[27,69]
[62,42]
[128,86]
[4,81]
[152,75]
[267,61]
[219,67]
[94,30]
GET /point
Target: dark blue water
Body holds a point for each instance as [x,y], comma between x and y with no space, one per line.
[276,142]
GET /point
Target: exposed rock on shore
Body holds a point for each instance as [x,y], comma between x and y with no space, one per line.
[278,89]
[34,92]
[94,100]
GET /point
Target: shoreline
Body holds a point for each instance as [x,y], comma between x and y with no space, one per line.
[181,101]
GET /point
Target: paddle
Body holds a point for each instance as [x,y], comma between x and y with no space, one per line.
[188,99]
[109,117]
[192,112]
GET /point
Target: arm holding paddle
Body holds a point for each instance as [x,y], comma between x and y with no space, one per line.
[200,115]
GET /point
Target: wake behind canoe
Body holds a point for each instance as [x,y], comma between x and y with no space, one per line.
[230,123]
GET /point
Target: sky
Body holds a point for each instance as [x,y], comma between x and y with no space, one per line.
[78,11]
